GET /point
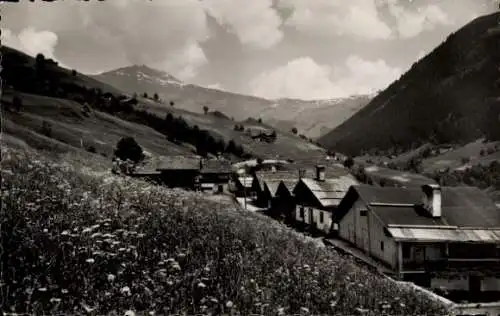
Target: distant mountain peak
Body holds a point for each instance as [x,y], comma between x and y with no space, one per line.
[146,73]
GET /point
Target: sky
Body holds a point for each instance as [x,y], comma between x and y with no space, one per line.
[306,49]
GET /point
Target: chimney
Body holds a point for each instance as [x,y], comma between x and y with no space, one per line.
[320,173]
[432,199]
[301,173]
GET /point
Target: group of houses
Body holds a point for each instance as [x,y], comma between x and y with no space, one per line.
[189,172]
[444,238]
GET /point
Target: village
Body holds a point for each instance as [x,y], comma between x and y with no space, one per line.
[405,226]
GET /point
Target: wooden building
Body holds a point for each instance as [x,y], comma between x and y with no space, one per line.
[447,238]
[179,171]
[317,198]
[284,203]
[214,175]
[266,183]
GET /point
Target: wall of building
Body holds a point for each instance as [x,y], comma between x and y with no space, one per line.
[490,284]
[367,233]
[456,283]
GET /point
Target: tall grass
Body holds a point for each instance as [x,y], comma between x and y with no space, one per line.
[78,240]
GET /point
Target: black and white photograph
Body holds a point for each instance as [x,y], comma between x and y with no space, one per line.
[250,157]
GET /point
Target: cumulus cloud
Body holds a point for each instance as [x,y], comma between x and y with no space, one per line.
[256,22]
[303,78]
[121,32]
[357,18]
[411,23]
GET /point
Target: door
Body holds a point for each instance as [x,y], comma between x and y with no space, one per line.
[419,254]
[474,284]
[311,217]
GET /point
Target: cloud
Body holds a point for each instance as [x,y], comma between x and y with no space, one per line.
[256,22]
[303,78]
[32,42]
[410,23]
[356,18]
[117,33]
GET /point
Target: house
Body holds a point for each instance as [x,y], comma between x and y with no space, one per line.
[241,185]
[317,198]
[179,171]
[214,174]
[265,184]
[284,202]
[437,237]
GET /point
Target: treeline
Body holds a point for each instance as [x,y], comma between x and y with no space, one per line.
[481,176]
[45,78]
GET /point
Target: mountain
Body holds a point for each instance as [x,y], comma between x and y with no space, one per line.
[311,118]
[314,118]
[63,110]
[449,96]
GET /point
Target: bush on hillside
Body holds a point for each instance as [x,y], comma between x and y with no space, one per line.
[17,103]
[128,148]
[79,241]
[349,162]
[46,129]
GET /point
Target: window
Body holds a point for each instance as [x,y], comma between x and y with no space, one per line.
[363,213]
[321,217]
[406,251]
[382,245]
[301,212]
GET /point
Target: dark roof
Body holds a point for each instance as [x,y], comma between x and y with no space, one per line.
[178,163]
[331,191]
[275,176]
[461,206]
[216,166]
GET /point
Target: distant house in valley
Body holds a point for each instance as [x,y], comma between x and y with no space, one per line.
[437,237]
[179,171]
[215,174]
[318,197]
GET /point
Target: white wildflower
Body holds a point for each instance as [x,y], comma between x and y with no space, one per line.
[201,285]
[42,289]
[129,313]
[125,290]
[111,277]
[229,304]
[90,260]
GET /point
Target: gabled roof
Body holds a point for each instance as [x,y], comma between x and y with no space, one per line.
[460,206]
[275,177]
[178,163]
[216,166]
[331,191]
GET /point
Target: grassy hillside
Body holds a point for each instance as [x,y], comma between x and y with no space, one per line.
[451,95]
[85,241]
[312,118]
[56,99]
[287,145]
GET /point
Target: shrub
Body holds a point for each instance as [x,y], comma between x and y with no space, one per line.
[156,97]
[73,73]
[17,103]
[91,149]
[128,148]
[205,109]
[349,162]
[46,129]
[294,130]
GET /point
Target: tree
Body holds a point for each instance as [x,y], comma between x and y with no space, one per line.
[294,130]
[17,103]
[46,129]
[145,95]
[128,148]
[156,97]
[171,103]
[231,147]
[73,73]
[349,162]
[259,120]
[205,109]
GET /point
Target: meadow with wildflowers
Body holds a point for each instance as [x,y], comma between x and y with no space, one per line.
[77,239]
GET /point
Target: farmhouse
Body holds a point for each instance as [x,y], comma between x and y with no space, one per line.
[317,198]
[437,237]
[214,174]
[179,171]
[284,202]
[241,185]
[265,184]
